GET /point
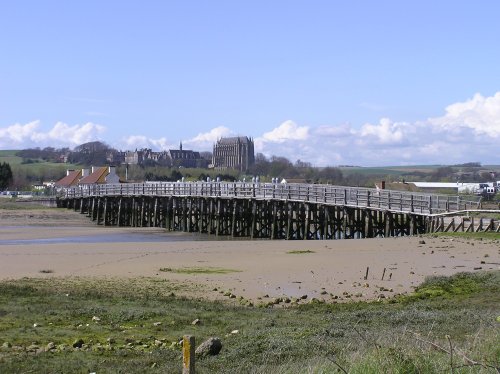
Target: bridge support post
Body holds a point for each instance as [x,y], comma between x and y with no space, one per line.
[315,213]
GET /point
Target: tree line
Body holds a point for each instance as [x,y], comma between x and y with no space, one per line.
[266,168]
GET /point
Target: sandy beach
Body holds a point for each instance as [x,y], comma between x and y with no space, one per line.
[58,243]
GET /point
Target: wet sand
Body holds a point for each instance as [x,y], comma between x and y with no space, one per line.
[259,268]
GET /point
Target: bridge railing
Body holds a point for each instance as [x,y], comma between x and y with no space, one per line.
[400,201]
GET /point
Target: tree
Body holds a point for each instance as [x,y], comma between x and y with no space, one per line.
[149,163]
[279,166]
[261,166]
[330,175]
[443,173]
[175,175]
[5,175]
[302,164]
[91,153]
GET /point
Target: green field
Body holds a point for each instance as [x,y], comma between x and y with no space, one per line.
[370,171]
[16,161]
[26,174]
[10,158]
[82,325]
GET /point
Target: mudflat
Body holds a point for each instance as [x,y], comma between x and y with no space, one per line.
[359,269]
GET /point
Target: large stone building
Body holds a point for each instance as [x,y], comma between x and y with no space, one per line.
[233,153]
[187,158]
[173,157]
[139,157]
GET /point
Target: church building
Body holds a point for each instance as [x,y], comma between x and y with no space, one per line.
[186,158]
[233,153]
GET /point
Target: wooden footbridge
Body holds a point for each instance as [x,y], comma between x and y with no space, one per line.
[266,210]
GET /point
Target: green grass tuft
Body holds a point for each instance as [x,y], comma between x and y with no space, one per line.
[200,270]
[460,284]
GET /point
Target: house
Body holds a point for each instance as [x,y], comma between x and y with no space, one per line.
[71,179]
[96,175]
[100,175]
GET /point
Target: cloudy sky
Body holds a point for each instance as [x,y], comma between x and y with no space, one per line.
[329,82]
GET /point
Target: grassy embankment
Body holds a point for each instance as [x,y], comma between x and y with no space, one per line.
[135,325]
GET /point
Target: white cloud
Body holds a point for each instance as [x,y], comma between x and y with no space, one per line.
[17,133]
[161,143]
[30,135]
[481,114]
[76,134]
[284,138]
[386,132]
[201,142]
[288,130]
[467,131]
[207,139]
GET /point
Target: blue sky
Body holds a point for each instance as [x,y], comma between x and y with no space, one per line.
[329,82]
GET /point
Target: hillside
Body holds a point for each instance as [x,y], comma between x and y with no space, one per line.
[33,171]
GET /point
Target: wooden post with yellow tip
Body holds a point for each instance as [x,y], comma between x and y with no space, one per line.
[188,355]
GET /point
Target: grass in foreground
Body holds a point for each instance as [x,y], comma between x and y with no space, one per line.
[199,270]
[74,325]
[8,203]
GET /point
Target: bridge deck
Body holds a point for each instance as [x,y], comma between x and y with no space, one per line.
[387,200]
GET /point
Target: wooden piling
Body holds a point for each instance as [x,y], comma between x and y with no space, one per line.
[188,354]
[262,217]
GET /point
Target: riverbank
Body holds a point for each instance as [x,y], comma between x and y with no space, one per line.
[258,270]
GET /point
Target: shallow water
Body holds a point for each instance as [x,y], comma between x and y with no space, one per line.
[121,237]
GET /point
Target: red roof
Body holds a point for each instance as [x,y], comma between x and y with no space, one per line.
[70,180]
[96,177]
